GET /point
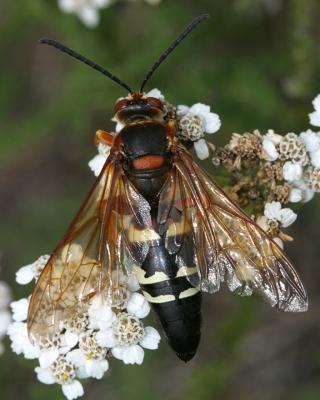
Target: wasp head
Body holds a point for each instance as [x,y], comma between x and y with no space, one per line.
[137,107]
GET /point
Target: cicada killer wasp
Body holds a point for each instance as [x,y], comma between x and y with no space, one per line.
[155,213]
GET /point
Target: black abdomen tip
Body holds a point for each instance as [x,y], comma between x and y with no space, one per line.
[186,356]
[184,340]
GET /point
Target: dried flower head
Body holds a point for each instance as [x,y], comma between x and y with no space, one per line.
[293,148]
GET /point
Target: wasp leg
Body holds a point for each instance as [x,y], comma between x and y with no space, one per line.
[104,138]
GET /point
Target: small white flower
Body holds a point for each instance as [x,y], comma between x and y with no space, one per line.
[86,10]
[138,306]
[32,271]
[285,215]
[311,140]
[211,121]
[270,151]
[87,366]
[62,372]
[292,171]
[315,158]
[314,118]
[20,309]
[201,149]
[130,337]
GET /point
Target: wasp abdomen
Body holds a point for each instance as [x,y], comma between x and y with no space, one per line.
[176,302]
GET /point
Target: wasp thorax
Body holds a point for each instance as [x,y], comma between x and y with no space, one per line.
[136,107]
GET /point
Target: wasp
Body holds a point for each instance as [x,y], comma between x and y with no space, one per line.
[155,213]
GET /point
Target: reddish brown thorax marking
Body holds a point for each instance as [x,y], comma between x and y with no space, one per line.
[148,162]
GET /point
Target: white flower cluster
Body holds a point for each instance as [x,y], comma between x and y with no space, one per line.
[87,340]
[301,156]
[276,217]
[5,315]
[301,168]
[194,122]
[88,10]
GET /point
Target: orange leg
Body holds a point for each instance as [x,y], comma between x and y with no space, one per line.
[104,138]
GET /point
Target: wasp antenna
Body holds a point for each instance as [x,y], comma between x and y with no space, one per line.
[74,54]
[170,49]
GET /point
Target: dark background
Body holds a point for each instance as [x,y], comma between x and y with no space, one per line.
[257,63]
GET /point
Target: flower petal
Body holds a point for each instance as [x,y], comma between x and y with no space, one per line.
[73,390]
[70,339]
[274,137]
[132,354]
[287,217]
[201,149]
[316,103]
[270,151]
[292,171]
[273,210]
[138,306]
[315,118]
[212,123]
[25,275]
[100,314]
[96,369]
[156,94]
[315,158]
[311,140]
[295,195]
[151,338]
[44,375]
[20,309]
[96,164]
[48,357]
[106,338]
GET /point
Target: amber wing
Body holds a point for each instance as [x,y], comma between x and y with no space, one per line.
[91,256]
[227,245]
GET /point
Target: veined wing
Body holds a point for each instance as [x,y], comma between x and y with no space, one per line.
[227,244]
[90,257]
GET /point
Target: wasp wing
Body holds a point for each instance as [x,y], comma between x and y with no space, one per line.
[91,256]
[215,241]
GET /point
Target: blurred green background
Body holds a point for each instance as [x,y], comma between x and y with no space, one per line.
[257,63]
